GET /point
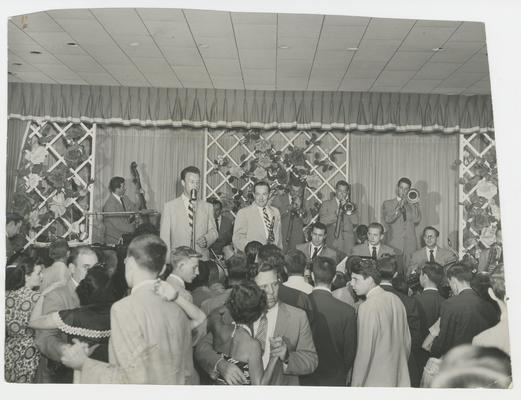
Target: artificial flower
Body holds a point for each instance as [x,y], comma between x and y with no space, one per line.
[262,145]
[486,189]
[59,204]
[488,235]
[37,155]
[264,162]
[34,219]
[260,173]
[32,181]
[313,181]
[236,171]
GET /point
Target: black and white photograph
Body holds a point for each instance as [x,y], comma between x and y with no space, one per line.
[200,195]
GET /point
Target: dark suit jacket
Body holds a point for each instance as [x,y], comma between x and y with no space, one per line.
[225,234]
[297,298]
[335,336]
[462,317]
[413,320]
[115,226]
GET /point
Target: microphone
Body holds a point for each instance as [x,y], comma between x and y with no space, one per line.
[193,194]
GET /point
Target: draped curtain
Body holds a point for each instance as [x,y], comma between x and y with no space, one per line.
[15,135]
[160,154]
[377,162]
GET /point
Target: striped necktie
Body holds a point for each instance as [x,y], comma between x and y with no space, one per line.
[262,331]
[191,214]
[269,225]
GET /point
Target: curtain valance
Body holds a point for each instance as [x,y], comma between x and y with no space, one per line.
[215,108]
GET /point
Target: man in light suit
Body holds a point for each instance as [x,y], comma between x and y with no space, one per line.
[117,225]
[328,215]
[224,225]
[258,221]
[374,246]
[431,252]
[283,331]
[176,221]
[402,218]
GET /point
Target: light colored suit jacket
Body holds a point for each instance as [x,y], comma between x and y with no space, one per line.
[115,226]
[328,216]
[363,250]
[401,234]
[175,229]
[325,252]
[442,257]
[292,324]
[150,343]
[249,226]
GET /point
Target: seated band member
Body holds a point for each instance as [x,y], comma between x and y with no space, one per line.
[317,246]
[331,211]
[224,226]
[177,220]
[117,225]
[259,221]
[431,252]
[402,218]
[293,211]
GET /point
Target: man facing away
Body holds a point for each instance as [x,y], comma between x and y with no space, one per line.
[224,226]
[384,341]
[117,225]
[258,221]
[183,217]
[150,340]
[185,267]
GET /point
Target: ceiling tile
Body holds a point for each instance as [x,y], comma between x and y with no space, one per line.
[182,56]
[82,63]
[477,63]
[323,84]
[256,36]
[94,78]
[17,36]
[14,78]
[344,20]
[164,79]
[191,73]
[255,86]
[36,22]
[37,77]
[299,25]
[462,80]
[376,50]
[120,21]
[145,47]
[334,74]
[148,65]
[240,18]
[205,17]
[470,31]
[435,70]
[293,68]
[198,84]
[79,13]
[259,76]
[364,69]
[217,47]
[447,91]
[437,24]
[384,89]
[133,81]
[161,14]
[426,38]
[330,59]
[257,58]
[223,82]
[331,40]
[85,32]
[356,85]
[394,78]
[421,85]
[408,61]
[388,29]
[219,30]
[174,31]
[297,42]
[223,66]
[306,53]
[25,67]
[109,54]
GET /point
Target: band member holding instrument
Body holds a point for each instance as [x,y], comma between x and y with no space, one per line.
[339,215]
[402,214]
[187,221]
[224,225]
[259,221]
[117,225]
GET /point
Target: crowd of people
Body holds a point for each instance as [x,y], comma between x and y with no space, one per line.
[208,299]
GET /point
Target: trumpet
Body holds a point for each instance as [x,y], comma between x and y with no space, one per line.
[348,208]
[413,196]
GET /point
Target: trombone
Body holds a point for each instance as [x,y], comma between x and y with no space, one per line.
[413,196]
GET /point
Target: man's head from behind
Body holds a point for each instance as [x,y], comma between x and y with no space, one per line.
[146,256]
[387,267]
[59,250]
[324,270]
[364,275]
[185,263]
[295,262]
[459,276]
[431,274]
[268,279]
[237,267]
[80,260]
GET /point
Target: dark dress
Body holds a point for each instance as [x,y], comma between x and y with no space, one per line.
[243,366]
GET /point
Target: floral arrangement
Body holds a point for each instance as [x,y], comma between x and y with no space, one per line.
[481,208]
[47,197]
[276,167]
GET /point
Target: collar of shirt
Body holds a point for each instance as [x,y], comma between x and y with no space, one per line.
[428,251]
[386,284]
[374,291]
[76,284]
[118,198]
[178,279]
[322,288]
[312,248]
[371,248]
[430,288]
[143,283]
[398,199]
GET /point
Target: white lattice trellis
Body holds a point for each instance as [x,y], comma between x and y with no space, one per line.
[473,150]
[230,144]
[75,224]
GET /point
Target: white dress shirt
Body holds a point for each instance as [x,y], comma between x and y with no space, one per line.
[271,316]
[299,283]
[371,248]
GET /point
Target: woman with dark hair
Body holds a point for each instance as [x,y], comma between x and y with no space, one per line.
[22,279]
[234,341]
[251,250]
[90,322]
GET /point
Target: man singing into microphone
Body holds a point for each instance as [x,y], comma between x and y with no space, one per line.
[185,216]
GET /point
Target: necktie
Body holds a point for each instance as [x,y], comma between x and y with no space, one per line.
[315,252]
[123,204]
[404,214]
[269,225]
[262,331]
[373,254]
[217,224]
[191,214]
[431,256]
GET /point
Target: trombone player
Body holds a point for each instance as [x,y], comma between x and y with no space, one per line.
[339,215]
[402,214]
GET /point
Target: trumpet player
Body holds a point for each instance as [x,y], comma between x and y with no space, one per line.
[339,215]
[402,214]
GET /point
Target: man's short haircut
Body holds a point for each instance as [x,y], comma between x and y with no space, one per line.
[237,268]
[497,282]
[295,262]
[404,180]
[433,271]
[269,251]
[78,251]
[149,251]
[182,253]
[319,225]
[361,232]
[251,250]
[13,217]
[376,225]
[460,271]
[58,249]
[387,267]
[431,228]
[366,268]
[342,183]
[214,201]
[261,183]
[324,270]
[191,169]
[115,183]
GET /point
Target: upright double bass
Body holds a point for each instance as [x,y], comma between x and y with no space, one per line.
[145,216]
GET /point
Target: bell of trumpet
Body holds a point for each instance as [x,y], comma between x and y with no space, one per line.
[413,196]
[349,208]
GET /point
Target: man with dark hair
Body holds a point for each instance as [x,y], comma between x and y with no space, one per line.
[283,332]
[334,209]
[295,265]
[333,329]
[463,315]
[388,271]
[223,224]
[186,217]
[401,216]
[431,252]
[150,340]
[117,225]
[384,341]
[185,267]
[13,225]
[317,245]
[258,221]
